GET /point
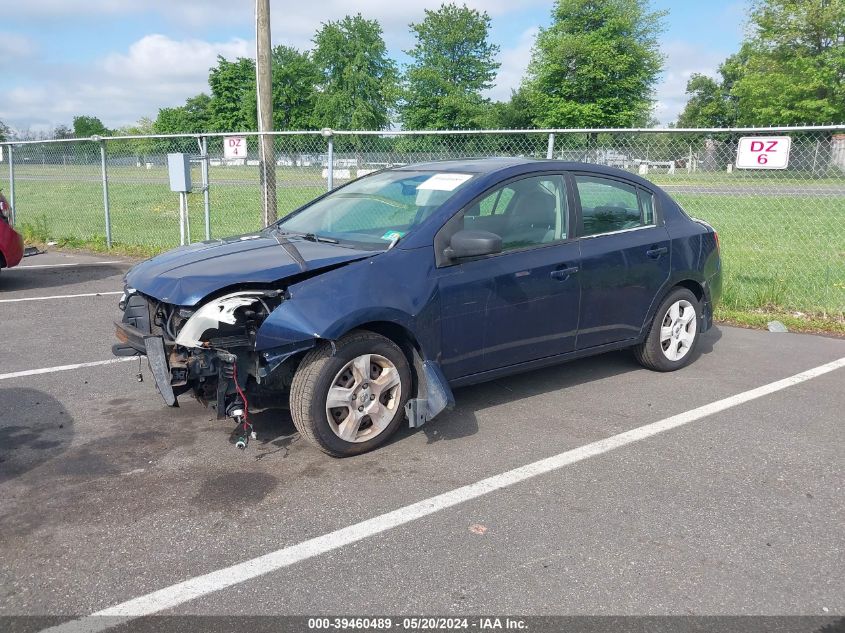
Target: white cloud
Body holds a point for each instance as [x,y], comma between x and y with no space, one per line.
[156,71]
[514,63]
[683,59]
[297,29]
[188,12]
[157,58]
[297,25]
[15,48]
[159,70]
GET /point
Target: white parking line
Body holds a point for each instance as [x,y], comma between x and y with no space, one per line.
[66,265]
[193,588]
[86,294]
[51,370]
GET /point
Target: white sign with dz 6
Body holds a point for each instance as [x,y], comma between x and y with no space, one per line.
[763,152]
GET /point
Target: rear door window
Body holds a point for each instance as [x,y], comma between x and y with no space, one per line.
[610,205]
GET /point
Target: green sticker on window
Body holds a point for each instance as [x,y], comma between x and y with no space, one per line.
[393,235]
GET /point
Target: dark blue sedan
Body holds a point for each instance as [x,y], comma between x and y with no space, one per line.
[371,303]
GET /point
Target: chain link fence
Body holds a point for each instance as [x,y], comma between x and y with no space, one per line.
[782,231]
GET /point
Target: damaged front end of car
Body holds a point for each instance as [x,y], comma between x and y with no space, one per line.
[209,351]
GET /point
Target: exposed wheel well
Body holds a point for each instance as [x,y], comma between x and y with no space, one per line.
[396,333]
[692,286]
[406,341]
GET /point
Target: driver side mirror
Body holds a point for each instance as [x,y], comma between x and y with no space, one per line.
[468,243]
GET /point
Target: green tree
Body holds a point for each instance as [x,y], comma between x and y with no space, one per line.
[232,104]
[63,152]
[295,78]
[791,70]
[452,63]
[62,131]
[514,114]
[596,65]
[85,126]
[138,147]
[358,81]
[193,117]
[5,131]
[709,104]
[144,126]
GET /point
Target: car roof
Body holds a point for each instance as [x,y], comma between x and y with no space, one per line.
[492,165]
[469,165]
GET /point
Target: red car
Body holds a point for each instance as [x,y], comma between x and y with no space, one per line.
[11,243]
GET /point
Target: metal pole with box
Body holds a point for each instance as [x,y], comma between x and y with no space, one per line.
[205,198]
[105,192]
[179,172]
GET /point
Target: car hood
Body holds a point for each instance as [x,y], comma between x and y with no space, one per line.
[185,275]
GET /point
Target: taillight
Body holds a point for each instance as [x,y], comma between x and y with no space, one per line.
[716,235]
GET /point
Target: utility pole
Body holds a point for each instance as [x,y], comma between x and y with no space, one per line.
[264,92]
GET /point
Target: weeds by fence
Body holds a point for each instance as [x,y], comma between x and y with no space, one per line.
[782,232]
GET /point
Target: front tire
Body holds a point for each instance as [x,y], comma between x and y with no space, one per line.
[673,335]
[350,398]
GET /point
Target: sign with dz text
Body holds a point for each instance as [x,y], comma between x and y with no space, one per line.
[763,152]
[234,147]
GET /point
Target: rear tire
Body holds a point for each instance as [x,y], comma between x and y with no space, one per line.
[349,398]
[673,335]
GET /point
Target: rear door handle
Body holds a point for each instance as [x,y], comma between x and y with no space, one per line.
[656,252]
[563,273]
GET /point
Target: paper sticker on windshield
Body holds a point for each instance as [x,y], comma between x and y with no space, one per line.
[444,182]
[393,235]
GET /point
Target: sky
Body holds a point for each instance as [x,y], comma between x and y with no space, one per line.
[121,60]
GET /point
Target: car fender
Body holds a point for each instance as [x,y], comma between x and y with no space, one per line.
[397,287]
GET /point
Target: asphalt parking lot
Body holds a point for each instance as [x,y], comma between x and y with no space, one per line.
[108,496]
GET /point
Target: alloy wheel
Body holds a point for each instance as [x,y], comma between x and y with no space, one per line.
[677,331]
[363,398]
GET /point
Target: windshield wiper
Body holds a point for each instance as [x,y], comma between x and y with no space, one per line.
[290,248]
[313,237]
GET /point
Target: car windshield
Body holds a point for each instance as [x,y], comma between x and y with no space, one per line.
[376,210]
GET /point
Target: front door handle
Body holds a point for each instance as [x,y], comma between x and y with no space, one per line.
[655,252]
[562,274]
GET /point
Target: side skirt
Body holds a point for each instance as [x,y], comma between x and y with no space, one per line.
[474,379]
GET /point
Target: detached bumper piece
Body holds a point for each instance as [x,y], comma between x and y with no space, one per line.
[131,340]
[434,395]
[157,357]
[134,326]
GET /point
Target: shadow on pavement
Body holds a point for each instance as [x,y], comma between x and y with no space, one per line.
[35,428]
[13,279]
[462,421]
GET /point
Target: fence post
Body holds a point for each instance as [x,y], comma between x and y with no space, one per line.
[550,151]
[105,191]
[12,183]
[327,132]
[204,168]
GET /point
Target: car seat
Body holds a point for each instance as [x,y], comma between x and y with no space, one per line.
[531,219]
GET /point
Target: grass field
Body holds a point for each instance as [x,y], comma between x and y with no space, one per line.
[778,252]
[781,253]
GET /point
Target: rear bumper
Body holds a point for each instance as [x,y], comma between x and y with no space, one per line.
[712,296]
[11,245]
